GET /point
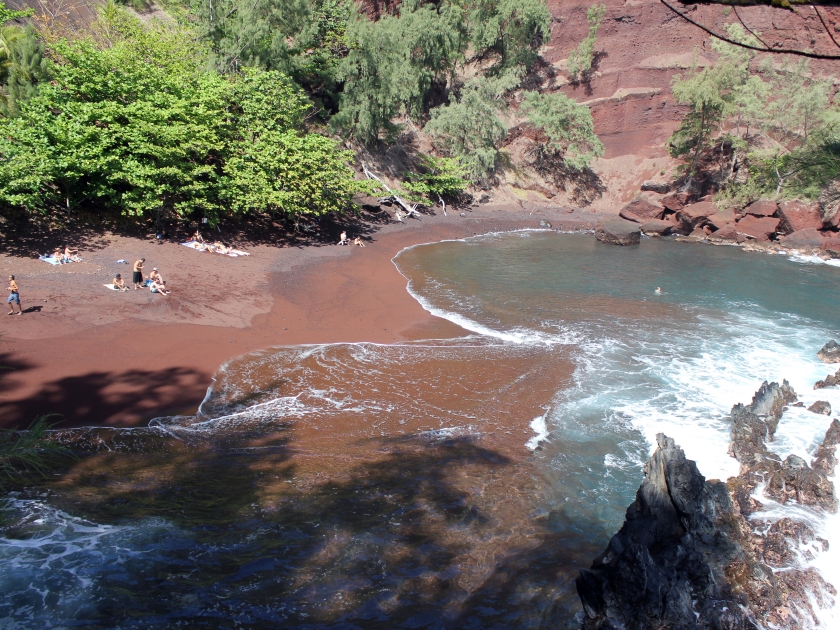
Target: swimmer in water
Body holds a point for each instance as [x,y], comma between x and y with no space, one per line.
[658,291]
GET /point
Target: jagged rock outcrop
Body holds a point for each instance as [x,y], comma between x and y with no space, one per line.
[821,406]
[688,557]
[666,567]
[617,231]
[829,353]
[830,381]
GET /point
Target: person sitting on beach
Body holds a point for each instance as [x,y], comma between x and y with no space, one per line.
[358,241]
[343,240]
[119,283]
[58,255]
[155,276]
[70,255]
[137,279]
[159,287]
[197,238]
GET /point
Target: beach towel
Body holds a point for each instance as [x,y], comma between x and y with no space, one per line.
[110,286]
[203,247]
[53,261]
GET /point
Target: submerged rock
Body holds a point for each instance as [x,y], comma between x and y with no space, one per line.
[829,353]
[616,231]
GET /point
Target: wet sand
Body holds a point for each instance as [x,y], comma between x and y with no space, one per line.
[99,357]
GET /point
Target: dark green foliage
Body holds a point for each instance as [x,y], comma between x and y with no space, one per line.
[441,177]
[22,67]
[140,128]
[368,74]
[569,127]
[469,127]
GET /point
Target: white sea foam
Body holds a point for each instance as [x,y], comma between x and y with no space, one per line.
[539,427]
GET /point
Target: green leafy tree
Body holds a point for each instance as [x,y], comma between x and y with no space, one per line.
[712,96]
[141,128]
[441,177]
[393,63]
[568,126]
[469,127]
[580,59]
[23,66]
[511,31]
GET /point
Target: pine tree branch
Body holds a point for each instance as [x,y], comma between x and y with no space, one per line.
[765,49]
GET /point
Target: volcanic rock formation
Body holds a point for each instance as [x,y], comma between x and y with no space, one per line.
[689,555]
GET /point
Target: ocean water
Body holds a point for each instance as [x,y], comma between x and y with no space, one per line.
[449,483]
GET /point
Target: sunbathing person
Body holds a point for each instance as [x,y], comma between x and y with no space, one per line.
[70,255]
[197,238]
[159,287]
[358,241]
[119,283]
[221,248]
[58,255]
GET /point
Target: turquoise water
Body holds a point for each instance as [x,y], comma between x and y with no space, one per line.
[455,483]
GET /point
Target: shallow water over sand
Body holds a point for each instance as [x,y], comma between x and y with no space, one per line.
[433,484]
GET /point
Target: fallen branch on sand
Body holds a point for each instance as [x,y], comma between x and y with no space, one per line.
[408,210]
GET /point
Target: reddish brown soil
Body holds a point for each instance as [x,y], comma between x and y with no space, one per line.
[101,357]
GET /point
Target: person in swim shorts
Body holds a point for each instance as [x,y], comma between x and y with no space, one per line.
[138,274]
[119,283]
[14,297]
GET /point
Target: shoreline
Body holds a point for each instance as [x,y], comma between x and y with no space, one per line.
[102,358]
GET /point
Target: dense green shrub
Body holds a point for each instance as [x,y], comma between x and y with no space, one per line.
[142,129]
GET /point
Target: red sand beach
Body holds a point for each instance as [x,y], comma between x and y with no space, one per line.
[99,357]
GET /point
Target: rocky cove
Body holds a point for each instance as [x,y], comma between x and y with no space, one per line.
[697,553]
[764,225]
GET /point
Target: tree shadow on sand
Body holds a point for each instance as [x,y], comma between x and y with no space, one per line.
[89,398]
[405,538]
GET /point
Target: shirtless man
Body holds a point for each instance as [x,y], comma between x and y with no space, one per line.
[138,274]
[155,276]
[343,240]
[119,283]
[358,241]
[14,297]
[70,254]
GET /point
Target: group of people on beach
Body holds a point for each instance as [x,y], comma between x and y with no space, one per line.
[356,241]
[67,256]
[155,281]
[216,246]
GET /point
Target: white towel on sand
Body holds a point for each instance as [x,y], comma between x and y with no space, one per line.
[202,247]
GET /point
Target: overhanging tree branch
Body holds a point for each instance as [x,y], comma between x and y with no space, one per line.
[764,49]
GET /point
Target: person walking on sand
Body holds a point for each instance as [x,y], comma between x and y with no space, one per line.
[14,297]
[138,274]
